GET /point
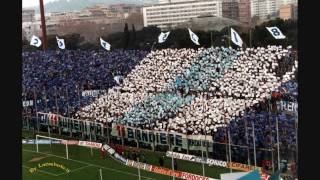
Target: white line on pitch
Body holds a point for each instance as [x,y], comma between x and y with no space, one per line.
[74,170]
[87,163]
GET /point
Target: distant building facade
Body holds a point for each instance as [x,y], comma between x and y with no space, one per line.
[245,11]
[171,13]
[230,9]
[29,24]
[89,22]
[286,12]
[28,15]
[265,9]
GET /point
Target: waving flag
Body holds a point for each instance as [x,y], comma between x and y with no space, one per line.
[276,33]
[35,41]
[60,42]
[105,44]
[253,175]
[117,79]
[163,37]
[235,38]
[194,37]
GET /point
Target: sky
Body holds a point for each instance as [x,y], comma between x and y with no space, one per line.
[32,3]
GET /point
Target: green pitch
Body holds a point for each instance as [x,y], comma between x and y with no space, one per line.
[51,163]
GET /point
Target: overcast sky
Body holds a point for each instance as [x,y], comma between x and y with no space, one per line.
[31,3]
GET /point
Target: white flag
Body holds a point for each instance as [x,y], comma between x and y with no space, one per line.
[35,41]
[194,37]
[117,79]
[235,38]
[163,37]
[276,33]
[105,44]
[60,42]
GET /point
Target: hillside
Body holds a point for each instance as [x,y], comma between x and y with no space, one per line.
[71,5]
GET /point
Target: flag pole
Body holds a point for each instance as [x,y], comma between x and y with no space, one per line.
[203,170]
[250,38]
[171,149]
[247,139]
[254,146]
[57,109]
[139,169]
[172,163]
[91,141]
[35,99]
[35,103]
[45,99]
[155,42]
[278,146]
[79,95]
[225,141]
[271,136]
[100,174]
[211,38]
[229,139]
[67,98]
[43,26]
[229,34]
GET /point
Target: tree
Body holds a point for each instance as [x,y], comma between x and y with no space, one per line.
[72,41]
[133,36]
[126,36]
[262,37]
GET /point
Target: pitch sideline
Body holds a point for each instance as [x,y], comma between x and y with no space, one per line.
[89,164]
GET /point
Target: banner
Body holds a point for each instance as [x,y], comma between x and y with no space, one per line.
[193,158]
[242,167]
[235,38]
[70,142]
[27,103]
[35,41]
[67,124]
[140,165]
[120,158]
[113,153]
[290,107]
[276,33]
[162,137]
[179,140]
[178,174]
[92,93]
[165,171]
[60,43]
[163,37]
[42,141]
[90,144]
[194,38]
[107,148]
[189,176]
[105,44]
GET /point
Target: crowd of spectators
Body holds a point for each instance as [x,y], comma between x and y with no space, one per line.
[56,79]
[192,91]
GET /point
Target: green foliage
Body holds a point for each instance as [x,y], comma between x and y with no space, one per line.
[262,37]
[126,36]
[133,39]
[72,41]
[147,37]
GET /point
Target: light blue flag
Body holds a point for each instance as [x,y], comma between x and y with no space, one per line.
[253,175]
[275,176]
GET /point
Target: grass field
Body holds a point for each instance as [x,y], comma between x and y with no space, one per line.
[81,165]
